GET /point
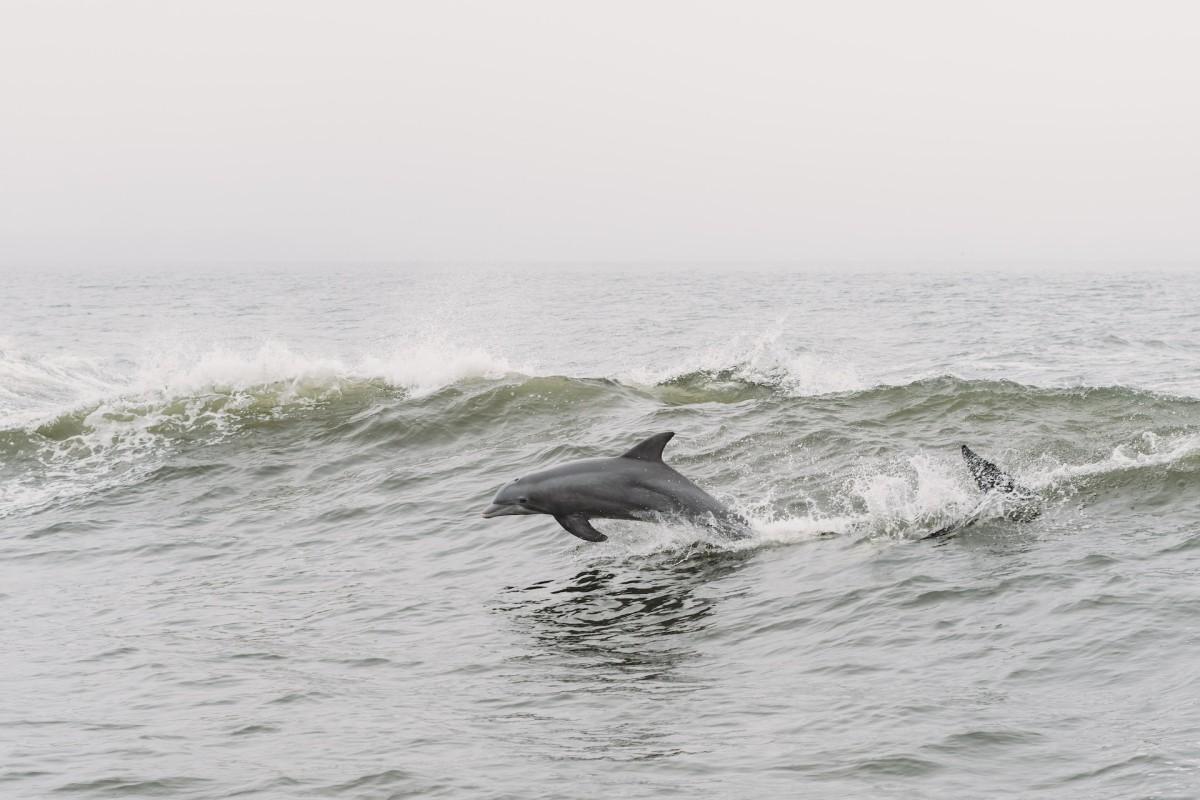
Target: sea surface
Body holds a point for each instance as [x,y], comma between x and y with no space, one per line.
[241,551]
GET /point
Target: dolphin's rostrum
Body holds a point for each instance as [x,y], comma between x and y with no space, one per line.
[634,486]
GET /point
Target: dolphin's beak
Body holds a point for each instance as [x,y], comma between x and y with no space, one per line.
[496,510]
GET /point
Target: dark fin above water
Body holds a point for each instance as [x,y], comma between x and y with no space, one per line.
[579,525]
[1021,506]
[651,449]
[987,475]
[946,532]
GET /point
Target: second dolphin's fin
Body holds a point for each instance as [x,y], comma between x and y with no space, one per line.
[579,525]
[986,474]
[1022,505]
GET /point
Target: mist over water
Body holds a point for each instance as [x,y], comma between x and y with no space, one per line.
[241,551]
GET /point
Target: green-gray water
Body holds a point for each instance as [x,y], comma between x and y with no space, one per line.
[242,555]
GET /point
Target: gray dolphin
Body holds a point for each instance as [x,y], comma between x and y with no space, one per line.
[1021,504]
[636,486]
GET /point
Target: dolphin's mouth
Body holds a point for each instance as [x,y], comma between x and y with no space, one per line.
[498,510]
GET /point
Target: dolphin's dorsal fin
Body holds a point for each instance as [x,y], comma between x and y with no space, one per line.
[986,474]
[651,449]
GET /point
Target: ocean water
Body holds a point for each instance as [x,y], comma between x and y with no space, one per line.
[241,552]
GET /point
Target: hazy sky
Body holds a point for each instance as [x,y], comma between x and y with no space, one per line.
[164,131]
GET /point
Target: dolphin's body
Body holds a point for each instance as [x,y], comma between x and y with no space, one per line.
[635,486]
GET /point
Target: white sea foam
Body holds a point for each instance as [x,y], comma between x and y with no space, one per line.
[907,498]
[1147,450]
[921,493]
[764,359]
[32,389]
[36,390]
[900,500]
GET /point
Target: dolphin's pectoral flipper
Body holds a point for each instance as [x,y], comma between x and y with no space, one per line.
[579,525]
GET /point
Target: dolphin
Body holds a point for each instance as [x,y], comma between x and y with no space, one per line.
[636,485]
[1021,504]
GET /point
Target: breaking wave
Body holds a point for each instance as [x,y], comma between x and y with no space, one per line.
[70,428]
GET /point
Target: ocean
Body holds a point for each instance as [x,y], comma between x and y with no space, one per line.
[241,551]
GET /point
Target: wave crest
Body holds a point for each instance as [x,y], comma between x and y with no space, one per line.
[762,362]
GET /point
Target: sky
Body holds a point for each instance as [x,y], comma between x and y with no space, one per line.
[172,132]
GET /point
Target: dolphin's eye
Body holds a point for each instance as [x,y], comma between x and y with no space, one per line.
[522,500]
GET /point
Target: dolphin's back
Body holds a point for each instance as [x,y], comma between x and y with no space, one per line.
[621,488]
[671,494]
[639,485]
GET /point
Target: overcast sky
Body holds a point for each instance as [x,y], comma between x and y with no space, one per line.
[285,130]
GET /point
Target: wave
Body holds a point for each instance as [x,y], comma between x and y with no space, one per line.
[751,363]
[1149,450]
[35,389]
[70,427]
[222,393]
